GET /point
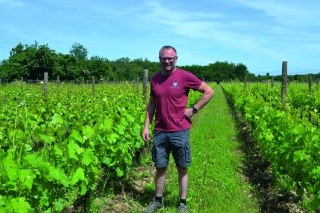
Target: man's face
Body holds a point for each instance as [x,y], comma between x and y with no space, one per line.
[168,59]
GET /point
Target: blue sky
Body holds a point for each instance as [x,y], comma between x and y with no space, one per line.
[260,34]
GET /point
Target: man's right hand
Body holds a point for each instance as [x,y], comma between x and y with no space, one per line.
[145,134]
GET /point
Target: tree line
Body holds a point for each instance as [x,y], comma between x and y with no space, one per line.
[31,61]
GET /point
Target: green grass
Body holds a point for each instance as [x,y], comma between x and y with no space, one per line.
[215,180]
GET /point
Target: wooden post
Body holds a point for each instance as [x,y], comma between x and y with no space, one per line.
[37,80]
[272,82]
[145,85]
[310,83]
[93,85]
[245,82]
[58,81]
[284,84]
[45,81]
[137,85]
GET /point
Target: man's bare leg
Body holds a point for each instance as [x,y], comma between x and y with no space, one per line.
[160,179]
[183,182]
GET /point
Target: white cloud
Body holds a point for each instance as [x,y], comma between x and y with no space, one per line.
[268,40]
[292,13]
[182,24]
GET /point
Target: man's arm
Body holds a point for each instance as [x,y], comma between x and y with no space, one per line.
[149,116]
[207,94]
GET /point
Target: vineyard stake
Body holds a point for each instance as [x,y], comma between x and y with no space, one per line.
[58,81]
[45,84]
[284,84]
[310,83]
[137,85]
[145,85]
[245,82]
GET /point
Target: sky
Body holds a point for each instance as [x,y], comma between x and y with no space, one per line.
[260,34]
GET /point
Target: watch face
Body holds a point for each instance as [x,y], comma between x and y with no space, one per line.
[194,110]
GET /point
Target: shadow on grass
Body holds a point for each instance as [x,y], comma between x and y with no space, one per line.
[258,172]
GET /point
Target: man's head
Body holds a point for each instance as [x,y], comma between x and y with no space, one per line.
[168,58]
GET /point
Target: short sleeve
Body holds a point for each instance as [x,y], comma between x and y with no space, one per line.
[151,89]
[192,81]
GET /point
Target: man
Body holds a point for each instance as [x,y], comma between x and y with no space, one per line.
[168,100]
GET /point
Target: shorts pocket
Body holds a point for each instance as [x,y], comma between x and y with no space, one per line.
[187,153]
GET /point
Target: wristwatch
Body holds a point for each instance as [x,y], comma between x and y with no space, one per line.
[194,110]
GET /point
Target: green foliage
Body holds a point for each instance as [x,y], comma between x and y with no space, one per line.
[4,69]
[288,139]
[219,71]
[31,61]
[54,150]
[79,51]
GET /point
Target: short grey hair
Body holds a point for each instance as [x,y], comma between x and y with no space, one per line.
[167,47]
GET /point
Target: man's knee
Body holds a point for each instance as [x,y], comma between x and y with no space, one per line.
[161,170]
[182,171]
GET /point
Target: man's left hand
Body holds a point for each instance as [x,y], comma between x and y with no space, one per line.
[188,112]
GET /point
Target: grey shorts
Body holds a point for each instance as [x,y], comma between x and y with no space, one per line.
[176,143]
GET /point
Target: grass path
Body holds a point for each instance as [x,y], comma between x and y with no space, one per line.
[215,180]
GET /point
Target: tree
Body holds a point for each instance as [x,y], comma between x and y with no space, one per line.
[31,61]
[79,51]
[44,61]
[122,69]
[100,68]
[196,70]
[4,68]
[220,71]
[241,71]
[22,59]
[67,67]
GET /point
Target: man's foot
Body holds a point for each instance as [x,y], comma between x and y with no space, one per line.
[153,207]
[183,208]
